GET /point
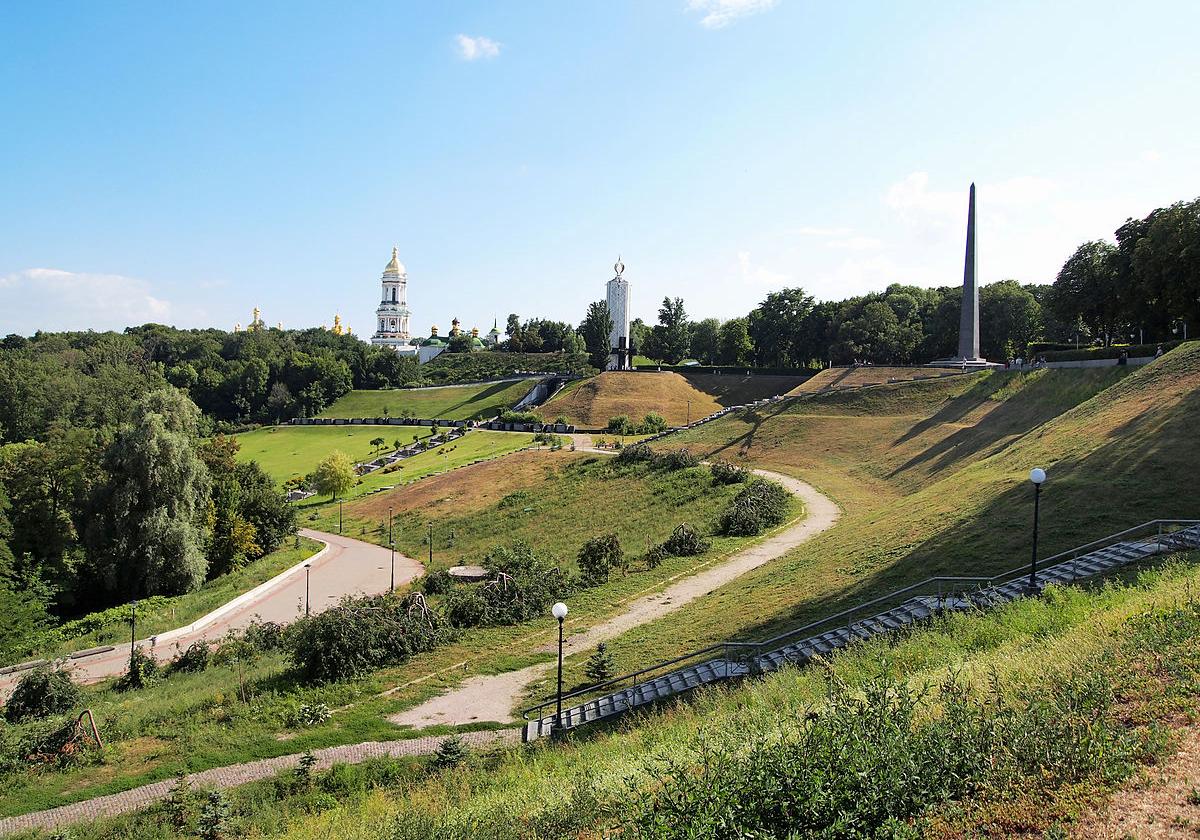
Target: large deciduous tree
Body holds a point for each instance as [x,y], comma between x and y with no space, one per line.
[148,534]
[672,335]
[706,341]
[734,345]
[776,327]
[1088,289]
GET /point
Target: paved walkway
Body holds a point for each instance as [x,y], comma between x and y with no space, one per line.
[344,567]
[239,774]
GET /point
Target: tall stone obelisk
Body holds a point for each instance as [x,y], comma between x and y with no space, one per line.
[968,324]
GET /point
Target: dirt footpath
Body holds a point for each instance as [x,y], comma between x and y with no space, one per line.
[492,698]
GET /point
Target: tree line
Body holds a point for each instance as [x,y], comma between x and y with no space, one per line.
[150,505]
[1143,288]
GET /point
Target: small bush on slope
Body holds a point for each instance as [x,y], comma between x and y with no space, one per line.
[763,504]
[41,693]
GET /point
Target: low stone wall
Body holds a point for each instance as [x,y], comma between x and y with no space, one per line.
[493,425]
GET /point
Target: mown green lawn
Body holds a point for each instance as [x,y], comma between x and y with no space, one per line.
[457,402]
[287,452]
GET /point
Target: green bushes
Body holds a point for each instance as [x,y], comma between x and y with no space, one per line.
[41,693]
[724,472]
[522,586]
[651,424]
[686,541]
[192,660]
[598,557]
[638,453]
[763,504]
[677,459]
[362,634]
[892,761]
[143,671]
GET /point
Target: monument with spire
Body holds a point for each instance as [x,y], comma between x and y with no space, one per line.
[968,321]
[621,348]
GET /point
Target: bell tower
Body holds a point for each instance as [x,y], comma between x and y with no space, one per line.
[391,317]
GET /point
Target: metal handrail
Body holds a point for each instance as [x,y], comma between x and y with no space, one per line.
[775,641]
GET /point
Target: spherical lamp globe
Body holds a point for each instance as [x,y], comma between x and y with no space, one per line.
[1037,475]
[559,610]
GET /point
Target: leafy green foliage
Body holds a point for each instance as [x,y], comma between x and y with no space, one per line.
[41,693]
[142,671]
[452,368]
[360,635]
[724,472]
[598,557]
[891,762]
[193,660]
[686,541]
[761,505]
[637,453]
[677,459]
[520,417]
[335,475]
[596,330]
[523,586]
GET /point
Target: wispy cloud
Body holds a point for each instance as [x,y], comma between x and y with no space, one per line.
[759,275]
[51,299]
[721,13]
[475,47]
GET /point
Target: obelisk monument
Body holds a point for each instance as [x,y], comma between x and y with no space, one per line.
[968,323]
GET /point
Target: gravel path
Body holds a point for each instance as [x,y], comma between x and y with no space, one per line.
[493,698]
[239,774]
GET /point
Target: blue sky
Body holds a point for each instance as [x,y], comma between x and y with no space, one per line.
[184,163]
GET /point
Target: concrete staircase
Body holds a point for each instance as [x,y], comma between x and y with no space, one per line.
[733,660]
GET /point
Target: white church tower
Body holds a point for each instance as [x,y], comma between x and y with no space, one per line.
[391,318]
[621,357]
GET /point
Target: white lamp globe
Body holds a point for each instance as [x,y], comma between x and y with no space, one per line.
[1037,475]
[559,610]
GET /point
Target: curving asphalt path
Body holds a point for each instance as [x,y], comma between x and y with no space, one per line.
[343,567]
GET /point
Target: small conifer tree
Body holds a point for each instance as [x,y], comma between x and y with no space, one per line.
[600,666]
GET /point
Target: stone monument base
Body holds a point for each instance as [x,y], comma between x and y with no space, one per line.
[970,364]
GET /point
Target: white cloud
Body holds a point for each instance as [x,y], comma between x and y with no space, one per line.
[721,13]
[759,275]
[50,299]
[472,48]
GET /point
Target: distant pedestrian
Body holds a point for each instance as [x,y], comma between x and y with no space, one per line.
[1158,352]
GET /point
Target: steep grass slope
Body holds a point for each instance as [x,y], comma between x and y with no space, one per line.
[841,377]
[933,479]
[590,403]
[450,402]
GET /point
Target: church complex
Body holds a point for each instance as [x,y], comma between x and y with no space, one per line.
[392,319]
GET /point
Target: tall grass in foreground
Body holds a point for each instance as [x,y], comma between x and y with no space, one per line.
[997,722]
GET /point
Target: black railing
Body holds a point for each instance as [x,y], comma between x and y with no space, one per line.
[943,589]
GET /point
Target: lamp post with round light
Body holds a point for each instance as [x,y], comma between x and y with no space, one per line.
[559,611]
[307,568]
[392,544]
[1038,476]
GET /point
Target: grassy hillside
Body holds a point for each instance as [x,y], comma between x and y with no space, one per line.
[1008,723]
[451,402]
[555,501]
[933,480]
[589,403]
[841,377]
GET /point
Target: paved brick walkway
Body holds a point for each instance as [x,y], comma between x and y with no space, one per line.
[239,774]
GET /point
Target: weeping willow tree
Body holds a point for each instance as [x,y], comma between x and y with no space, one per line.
[148,535]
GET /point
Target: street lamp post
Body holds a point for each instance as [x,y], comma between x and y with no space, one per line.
[1038,476]
[431,544]
[393,586]
[689,414]
[132,633]
[389,524]
[339,516]
[307,568]
[559,611]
